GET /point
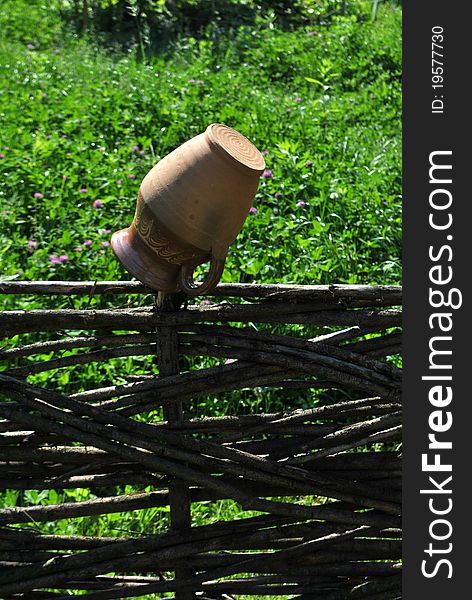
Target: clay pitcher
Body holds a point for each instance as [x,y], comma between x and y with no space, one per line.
[190,208]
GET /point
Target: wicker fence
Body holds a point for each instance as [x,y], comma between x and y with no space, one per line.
[322,483]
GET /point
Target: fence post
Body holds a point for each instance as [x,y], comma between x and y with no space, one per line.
[168,361]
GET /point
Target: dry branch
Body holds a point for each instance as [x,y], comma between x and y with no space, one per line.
[377,294]
[263,469]
[164,547]
[73,342]
[20,321]
[320,551]
[167,345]
[268,472]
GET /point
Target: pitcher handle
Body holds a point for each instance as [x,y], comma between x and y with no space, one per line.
[187,283]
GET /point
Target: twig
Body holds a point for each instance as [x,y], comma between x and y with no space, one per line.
[15,322]
[377,294]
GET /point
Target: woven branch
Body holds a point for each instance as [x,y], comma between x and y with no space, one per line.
[319,551]
[98,561]
[144,344]
[246,464]
[219,536]
[377,294]
[15,322]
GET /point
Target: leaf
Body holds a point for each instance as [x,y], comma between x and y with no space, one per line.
[66,237]
[317,226]
[5,278]
[311,80]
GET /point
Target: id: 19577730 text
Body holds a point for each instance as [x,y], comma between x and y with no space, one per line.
[437,69]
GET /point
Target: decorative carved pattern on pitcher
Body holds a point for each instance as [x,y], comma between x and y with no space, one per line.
[160,241]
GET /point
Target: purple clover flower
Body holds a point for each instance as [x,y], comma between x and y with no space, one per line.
[32,245]
[87,243]
[2,155]
[253,210]
[131,176]
[267,174]
[265,152]
[38,195]
[54,259]
[135,148]
[63,258]
[106,231]
[278,195]
[301,204]
[298,100]
[98,204]
[83,190]
[79,249]
[141,153]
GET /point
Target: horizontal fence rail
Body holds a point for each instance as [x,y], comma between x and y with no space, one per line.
[317,482]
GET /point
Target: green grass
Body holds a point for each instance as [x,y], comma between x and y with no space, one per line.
[322,99]
[72,112]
